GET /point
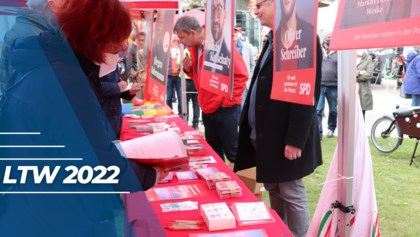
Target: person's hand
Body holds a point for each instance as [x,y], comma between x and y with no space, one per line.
[143,79]
[223,106]
[120,60]
[135,88]
[122,85]
[292,153]
[163,172]
[122,71]
[132,72]
[186,63]
[363,72]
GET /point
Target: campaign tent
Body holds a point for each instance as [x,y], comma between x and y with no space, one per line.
[137,7]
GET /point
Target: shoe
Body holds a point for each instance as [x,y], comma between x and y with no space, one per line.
[330,133]
[174,100]
[195,126]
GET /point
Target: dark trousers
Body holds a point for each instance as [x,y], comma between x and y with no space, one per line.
[174,82]
[221,129]
[329,93]
[190,87]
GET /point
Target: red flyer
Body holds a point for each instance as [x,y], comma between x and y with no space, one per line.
[216,74]
[160,55]
[176,192]
[295,51]
[376,24]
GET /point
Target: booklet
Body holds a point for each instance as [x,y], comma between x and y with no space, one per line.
[176,192]
[252,213]
[186,176]
[167,178]
[163,149]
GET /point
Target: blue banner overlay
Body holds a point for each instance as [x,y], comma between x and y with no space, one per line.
[61,173]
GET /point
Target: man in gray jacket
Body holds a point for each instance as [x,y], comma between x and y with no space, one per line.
[29,22]
[246,51]
[328,85]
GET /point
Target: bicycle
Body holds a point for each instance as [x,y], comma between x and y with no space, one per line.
[387,132]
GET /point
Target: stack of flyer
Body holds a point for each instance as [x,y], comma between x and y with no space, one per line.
[212,179]
[211,170]
[229,189]
[192,135]
[252,213]
[167,178]
[196,150]
[186,176]
[218,216]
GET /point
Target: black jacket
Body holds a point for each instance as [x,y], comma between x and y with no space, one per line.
[279,123]
[329,69]
[111,100]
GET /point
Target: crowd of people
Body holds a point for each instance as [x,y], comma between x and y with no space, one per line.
[281,139]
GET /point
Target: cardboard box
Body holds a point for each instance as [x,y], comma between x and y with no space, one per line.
[249,177]
[231,165]
[260,197]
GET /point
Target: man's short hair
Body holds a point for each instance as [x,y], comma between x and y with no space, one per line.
[142,34]
[187,24]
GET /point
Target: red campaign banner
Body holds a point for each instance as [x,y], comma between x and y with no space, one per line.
[216,74]
[295,51]
[376,24]
[160,55]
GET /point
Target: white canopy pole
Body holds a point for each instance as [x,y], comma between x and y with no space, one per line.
[183,83]
[183,86]
[346,133]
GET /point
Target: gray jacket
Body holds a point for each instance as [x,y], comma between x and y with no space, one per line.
[329,68]
[249,61]
[28,23]
[365,93]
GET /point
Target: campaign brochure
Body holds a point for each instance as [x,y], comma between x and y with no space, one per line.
[186,176]
[176,192]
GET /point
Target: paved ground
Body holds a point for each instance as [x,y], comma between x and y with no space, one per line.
[384,102]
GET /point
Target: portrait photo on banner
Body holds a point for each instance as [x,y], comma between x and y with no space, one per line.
[294,35]
[161,45]
[368,12]
[217,57]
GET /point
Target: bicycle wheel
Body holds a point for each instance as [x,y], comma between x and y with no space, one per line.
[386,135]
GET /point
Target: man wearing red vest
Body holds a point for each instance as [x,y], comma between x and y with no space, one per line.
[220,115]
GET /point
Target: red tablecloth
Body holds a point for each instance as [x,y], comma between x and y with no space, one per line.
[135,212]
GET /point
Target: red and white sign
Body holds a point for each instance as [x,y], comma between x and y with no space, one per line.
[217,71]
[295,51]
[376,24]
[160,55]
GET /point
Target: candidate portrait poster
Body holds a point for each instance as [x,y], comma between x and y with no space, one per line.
[160,55]
[295,51]
[376,24]
[217,74]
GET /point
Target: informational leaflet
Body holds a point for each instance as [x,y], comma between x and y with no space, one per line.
[376,24]
[252,211]
[295,41]
[161,145]
[216,74]
[176,192]
[160,55]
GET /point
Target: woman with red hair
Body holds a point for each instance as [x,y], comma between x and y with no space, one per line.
[55,94]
